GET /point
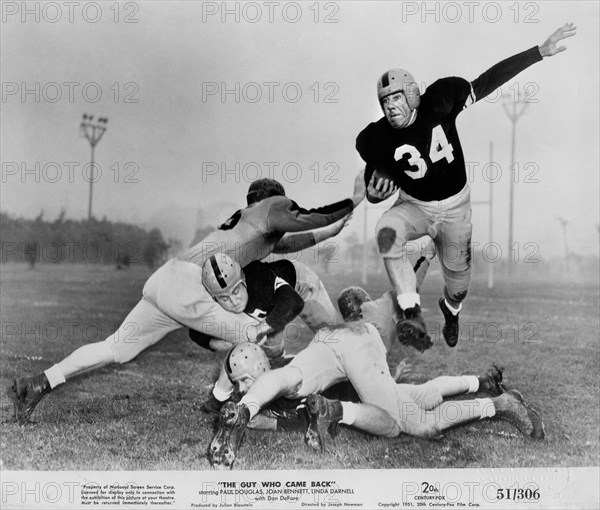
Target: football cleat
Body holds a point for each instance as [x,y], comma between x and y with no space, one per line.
[226,442]
[411,329]
[211,405]
[323,415]
[491,382]
[27,393]
[511,407]
[451,329]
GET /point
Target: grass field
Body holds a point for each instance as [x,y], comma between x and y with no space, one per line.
[145,415]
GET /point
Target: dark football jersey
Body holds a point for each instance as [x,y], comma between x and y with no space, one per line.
[271,294]
[252,233]
[426,159]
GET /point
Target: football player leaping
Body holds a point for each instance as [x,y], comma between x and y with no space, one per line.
[174,295]
[415,148]
[354,351]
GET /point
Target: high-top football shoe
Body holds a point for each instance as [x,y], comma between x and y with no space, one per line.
[226,442]
[451,329]
[323,415]
[511,407]
[411,329]
[26,393]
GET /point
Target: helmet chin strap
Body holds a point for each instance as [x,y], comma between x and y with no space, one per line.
[413,117]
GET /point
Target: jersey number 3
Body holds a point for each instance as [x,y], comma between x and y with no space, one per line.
[439,149]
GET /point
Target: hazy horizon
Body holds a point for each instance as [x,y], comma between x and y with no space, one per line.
[200,105]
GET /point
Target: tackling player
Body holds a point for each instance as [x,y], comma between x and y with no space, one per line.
[275,294]
[415,148]
[354,351]
[174,295]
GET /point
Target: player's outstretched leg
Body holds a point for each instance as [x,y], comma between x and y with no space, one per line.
[27,392]
[451,328]
[323,415]
[511,407]
[225,444]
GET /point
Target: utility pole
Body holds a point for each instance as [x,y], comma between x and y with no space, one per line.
[489,203]
[563,223]
[491,220]
[514,108]
[93,132]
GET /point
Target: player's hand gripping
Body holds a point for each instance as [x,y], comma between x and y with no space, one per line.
[382,189]
[549,48]
[257,333]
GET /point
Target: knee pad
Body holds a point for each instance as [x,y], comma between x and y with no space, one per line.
[386,237]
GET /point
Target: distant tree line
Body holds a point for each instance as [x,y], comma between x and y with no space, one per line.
[74,241]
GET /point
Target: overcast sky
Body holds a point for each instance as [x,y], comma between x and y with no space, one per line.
[301,82]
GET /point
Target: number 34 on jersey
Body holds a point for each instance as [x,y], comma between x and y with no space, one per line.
[439,149]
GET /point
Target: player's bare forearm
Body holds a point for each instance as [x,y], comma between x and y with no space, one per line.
[216,344]
[290,243]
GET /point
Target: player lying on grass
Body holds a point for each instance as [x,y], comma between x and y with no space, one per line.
[354,351]
[276,293]
[249,360]
[174,296]
[415,148]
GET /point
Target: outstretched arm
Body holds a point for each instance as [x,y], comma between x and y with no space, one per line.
[509,68]
[286,216]
[295,242]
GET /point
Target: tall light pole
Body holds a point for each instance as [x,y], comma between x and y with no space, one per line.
[514,108]
[93,132]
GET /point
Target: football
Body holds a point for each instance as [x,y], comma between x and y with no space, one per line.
[386,171]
